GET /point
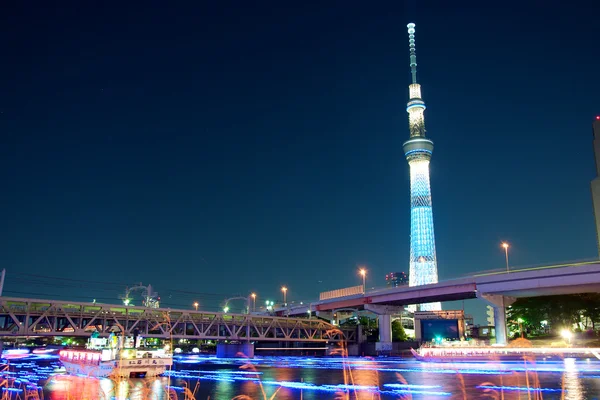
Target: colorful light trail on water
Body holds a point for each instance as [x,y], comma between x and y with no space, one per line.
[382,378]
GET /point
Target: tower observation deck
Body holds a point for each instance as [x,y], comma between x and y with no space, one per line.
[418,150]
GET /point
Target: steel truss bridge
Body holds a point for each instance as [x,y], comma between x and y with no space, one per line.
[34,317]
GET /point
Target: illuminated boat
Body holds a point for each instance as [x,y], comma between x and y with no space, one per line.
[11,354]
[116,356]
[472,354]
[493,353]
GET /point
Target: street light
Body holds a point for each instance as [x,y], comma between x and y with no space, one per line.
[505,246]
[253,295]
[196,305]
[226,309]
[284,290]
[363,272]
[566,334]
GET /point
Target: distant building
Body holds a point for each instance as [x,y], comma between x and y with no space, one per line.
[596,182]
[395,279]
[490,316]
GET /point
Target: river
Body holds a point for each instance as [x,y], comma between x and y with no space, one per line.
[283,378]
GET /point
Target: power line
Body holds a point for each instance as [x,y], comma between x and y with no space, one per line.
[166,304]
[124,285]
[53,296]
[67,285]
[61,278]
[224,296]
[207,300]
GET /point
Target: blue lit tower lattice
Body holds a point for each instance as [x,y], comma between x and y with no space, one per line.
[418,150]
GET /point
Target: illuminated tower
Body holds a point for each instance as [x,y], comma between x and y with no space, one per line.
[418,149]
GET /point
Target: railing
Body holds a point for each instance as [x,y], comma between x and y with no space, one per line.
[529,267]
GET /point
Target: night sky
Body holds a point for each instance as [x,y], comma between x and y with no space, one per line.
[219,148]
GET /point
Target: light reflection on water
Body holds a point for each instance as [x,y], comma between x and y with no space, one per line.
[285,378]
[572,383]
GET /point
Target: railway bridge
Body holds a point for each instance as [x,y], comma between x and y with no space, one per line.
[35,317]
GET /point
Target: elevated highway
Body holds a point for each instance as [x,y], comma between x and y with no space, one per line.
[499,289]
[539,281]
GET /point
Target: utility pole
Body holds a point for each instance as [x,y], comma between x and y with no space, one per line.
[2,280]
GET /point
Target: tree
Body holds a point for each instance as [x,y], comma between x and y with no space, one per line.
[398,334]
[369,327]
[560,311]
[532,310]
[367,322]
[591,310]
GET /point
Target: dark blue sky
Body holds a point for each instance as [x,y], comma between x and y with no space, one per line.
[235,148]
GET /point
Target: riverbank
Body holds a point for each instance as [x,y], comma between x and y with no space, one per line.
[556,342]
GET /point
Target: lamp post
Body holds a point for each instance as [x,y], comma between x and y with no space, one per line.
[196,305]
[284,290]
[253,295]
[363,272]
[505,246]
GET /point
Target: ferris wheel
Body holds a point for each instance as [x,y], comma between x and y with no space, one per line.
[149,297]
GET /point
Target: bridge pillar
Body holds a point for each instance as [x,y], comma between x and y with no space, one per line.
[325,314]
[499,304]
[385,328]
[384,315]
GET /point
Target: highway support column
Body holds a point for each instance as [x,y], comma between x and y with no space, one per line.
[499,304]
[384,315]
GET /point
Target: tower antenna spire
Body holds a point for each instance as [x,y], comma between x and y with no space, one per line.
[413,54]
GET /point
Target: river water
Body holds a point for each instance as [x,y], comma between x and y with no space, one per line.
[282,378]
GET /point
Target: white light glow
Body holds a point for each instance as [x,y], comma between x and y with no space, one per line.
[415,91]
[416,121]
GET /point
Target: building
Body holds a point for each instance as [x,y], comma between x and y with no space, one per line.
[395,279]
[418,150]
[596,181]
[439,325]
[489,312]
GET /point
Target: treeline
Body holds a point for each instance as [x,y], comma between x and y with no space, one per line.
[556,312]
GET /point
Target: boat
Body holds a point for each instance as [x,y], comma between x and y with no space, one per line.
[471,354]
[116,356]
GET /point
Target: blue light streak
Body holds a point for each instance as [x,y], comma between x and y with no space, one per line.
[519,388]
[407,386]
[25,373]
[399,389]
